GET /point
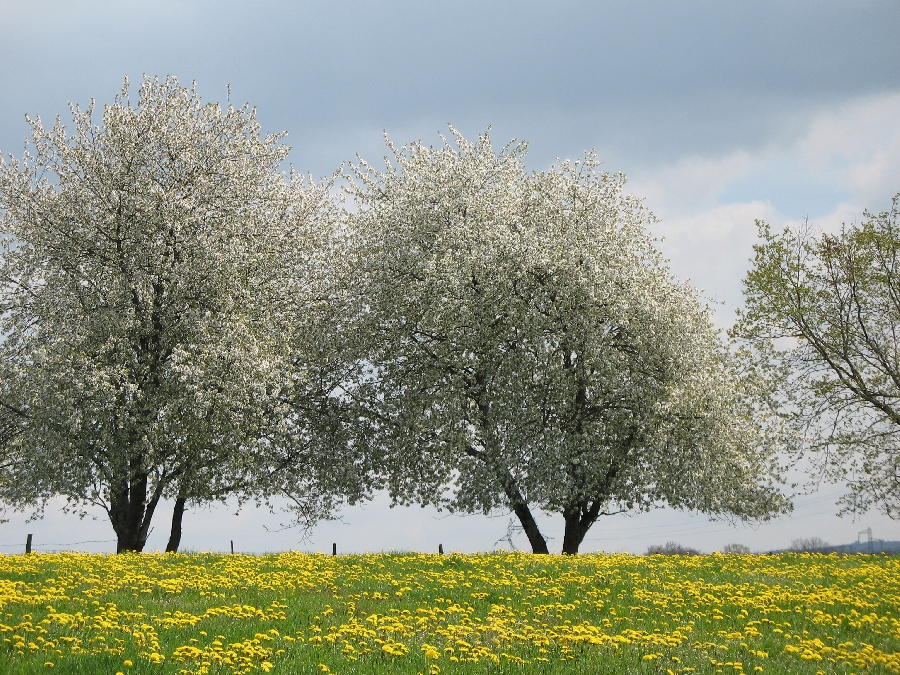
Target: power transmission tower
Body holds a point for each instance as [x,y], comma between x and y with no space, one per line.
[868,533]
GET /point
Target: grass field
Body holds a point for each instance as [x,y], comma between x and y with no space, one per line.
[430,614]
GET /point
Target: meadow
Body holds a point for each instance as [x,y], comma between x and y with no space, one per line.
[431,614]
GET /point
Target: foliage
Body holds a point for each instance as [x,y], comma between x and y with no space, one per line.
[454,614]
[822,311]
[182,320]
[532,351]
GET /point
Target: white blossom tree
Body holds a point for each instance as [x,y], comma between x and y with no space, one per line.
[141,355]
[531,351]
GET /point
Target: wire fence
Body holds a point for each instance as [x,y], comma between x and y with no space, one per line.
[43,547]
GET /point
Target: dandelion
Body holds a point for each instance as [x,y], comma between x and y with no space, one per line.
[576,609]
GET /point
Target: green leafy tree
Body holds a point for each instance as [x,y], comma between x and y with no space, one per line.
[530,350]
[823,312]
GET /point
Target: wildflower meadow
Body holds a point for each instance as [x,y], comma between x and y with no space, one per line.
[432,614]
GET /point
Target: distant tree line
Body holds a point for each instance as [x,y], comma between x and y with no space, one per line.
[181,319]
[671,548]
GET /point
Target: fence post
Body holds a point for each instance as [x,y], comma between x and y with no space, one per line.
[441,549]
[28,544]
[334,549]
[232,547]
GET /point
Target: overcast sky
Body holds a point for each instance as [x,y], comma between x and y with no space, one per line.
[720,113]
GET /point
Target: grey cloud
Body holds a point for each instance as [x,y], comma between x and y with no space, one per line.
[641,81]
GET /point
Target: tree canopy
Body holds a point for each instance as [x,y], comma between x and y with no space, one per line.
[823,311]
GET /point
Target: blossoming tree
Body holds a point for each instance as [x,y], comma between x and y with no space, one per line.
[142,357]
[531,350]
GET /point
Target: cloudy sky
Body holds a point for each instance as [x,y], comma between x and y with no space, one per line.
[720,113]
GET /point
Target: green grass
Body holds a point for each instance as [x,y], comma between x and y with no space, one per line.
[412,613]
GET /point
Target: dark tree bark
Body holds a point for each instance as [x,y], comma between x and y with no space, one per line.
[523,513]
[578,521]
[125,512]
[130,513]
[175,534]
[581,517]
[535,538]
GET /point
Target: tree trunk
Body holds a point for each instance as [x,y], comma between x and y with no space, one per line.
[578,521]
[130,513]
[175,535]
[580,517]
[535,538]
[127,512]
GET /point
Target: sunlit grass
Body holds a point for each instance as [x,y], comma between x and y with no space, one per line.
[410,613]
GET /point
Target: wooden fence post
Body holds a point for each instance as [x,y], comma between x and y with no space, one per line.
[334,549]
[28,544]
[441,549]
